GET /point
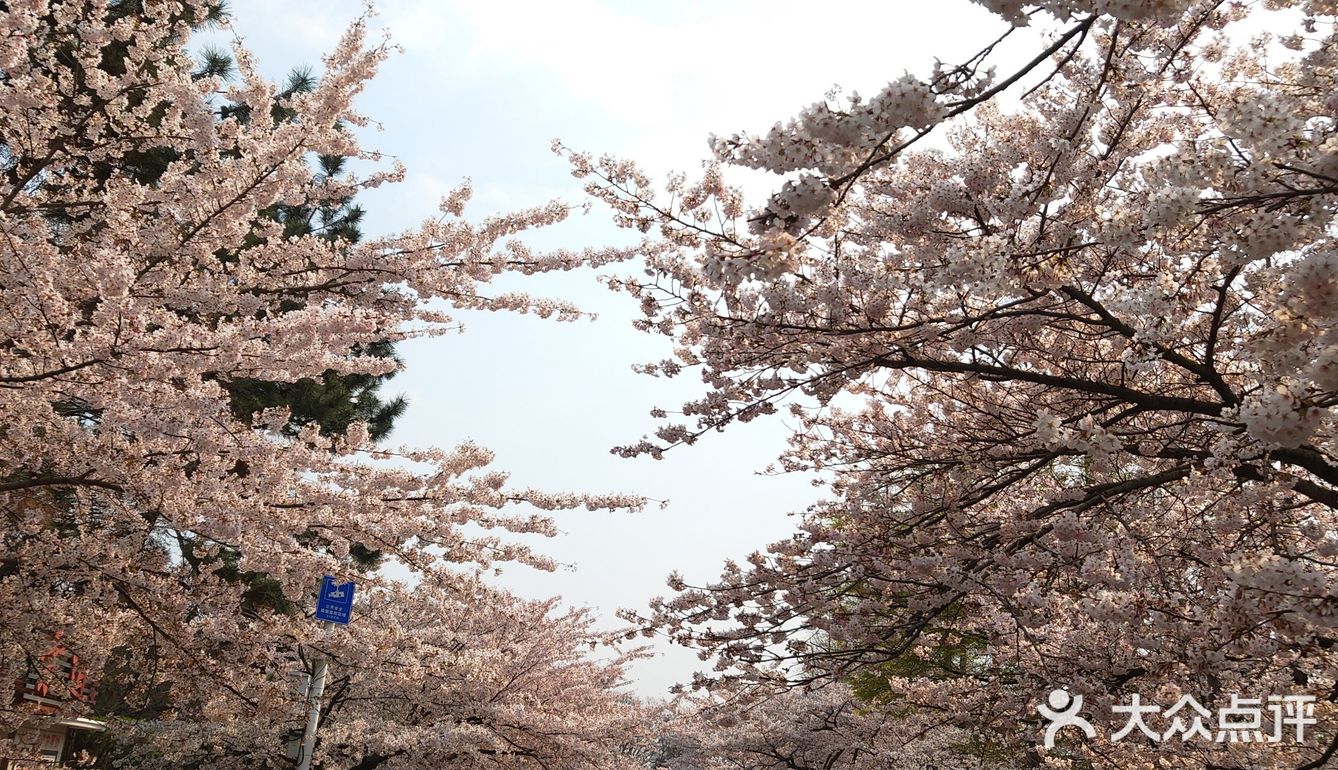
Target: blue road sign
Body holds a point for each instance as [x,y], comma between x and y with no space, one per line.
[336,601]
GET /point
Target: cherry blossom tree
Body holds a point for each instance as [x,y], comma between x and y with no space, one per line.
[430,677]
[135,496]
[1061,339]
[823,729]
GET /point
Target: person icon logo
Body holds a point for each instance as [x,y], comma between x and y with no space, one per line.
[1062,711]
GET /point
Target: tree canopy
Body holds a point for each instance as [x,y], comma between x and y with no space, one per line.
[193,331]
[1062,340]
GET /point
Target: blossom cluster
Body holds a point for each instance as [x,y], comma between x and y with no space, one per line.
[833,141]
[1019,11]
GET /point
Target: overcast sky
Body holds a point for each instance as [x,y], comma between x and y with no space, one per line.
[480,91]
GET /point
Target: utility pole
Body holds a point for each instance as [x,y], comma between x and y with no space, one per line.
[334,604]
[314,692]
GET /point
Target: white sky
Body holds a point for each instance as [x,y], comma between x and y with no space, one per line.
[480,91]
